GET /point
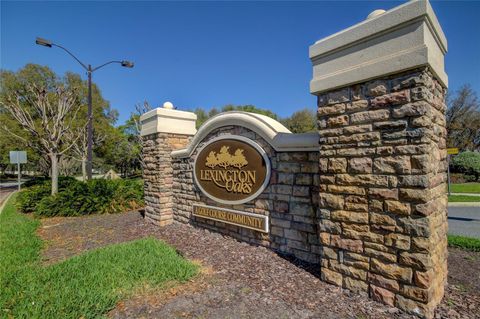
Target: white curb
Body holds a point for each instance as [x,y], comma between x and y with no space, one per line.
[464,204]
[5,201]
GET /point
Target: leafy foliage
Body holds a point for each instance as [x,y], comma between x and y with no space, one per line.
[77,198]
[249,108]
[467,163]
[41,76]
[301,121]
[11,82]
[37,189]
[203,116]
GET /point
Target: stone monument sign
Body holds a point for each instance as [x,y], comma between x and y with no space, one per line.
[364,197]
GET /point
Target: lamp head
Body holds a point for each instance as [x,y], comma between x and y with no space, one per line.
[44,42]
[127,64]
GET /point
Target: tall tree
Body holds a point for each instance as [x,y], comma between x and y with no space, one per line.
[12,83]
[103,119]
[301,121]
[79,150]
[203,116]
[463,119]
[249,108]
[132,129]
[46,115]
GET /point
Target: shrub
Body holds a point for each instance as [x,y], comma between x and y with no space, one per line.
[467,163]
[37,189]
[28,198]
[470,178]
[63,181]
[95,196]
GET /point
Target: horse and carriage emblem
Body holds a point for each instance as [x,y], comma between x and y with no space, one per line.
[224,159]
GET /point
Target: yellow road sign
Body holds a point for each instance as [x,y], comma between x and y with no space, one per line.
[452,151]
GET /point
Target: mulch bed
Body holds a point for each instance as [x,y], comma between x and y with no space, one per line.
[242,281]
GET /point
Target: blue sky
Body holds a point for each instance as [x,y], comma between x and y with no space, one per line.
[208,54]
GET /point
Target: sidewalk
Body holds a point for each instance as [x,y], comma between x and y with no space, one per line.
[4,195]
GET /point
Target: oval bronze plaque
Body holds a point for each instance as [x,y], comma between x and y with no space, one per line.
[232,170]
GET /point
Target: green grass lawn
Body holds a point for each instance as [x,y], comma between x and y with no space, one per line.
[85,286]
[465,188]
[463,198]
[472,244]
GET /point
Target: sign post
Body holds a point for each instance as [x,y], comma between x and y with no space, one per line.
[448,174]
[450,151]
[18,157]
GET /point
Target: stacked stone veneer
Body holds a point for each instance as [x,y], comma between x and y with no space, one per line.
[158,174]
[382,200]
[290,200]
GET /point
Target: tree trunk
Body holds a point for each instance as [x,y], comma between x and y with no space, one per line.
[54,162]
[84,169]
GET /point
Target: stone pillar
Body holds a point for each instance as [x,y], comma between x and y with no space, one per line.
[381,116]
[163,130]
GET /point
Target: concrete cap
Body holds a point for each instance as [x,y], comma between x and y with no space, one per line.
[164,120]
[403,38]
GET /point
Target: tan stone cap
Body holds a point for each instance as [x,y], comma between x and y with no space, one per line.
[403,38]
[162,120]
[277,135]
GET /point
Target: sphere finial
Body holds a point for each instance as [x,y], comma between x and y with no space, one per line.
[375,13]
[168,105]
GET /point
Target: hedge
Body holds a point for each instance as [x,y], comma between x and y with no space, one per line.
[76,198]
[467,163]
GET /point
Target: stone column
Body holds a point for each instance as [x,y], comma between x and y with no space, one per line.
[163,131]
[381,116]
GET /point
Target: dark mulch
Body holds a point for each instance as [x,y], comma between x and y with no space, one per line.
[242,281]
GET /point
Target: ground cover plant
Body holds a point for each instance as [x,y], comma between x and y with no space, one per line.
[468,243]
[77,198]
[85,286]
[465,188]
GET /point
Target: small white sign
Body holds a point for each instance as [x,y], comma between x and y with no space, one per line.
[18,157]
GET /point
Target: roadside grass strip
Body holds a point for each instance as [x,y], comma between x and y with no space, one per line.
[463,198]
[84,286]
[465,188]
[467,243]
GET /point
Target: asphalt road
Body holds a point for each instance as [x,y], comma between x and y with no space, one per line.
[464,220]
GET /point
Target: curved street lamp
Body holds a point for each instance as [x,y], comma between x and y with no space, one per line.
[90,70]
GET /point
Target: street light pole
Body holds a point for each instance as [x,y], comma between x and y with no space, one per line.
[90,126]
[90,70]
